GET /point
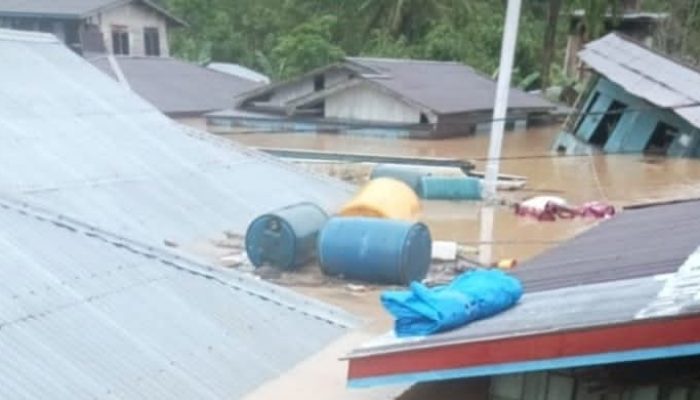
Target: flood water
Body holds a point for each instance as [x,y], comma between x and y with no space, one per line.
[617,179]
[620,180]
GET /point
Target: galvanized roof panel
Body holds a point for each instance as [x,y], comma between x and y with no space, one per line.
[77,142]
[646,74]
[86,314]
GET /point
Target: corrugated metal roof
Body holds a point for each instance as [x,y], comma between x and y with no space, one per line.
[644,73]
[76,141]
[576,307]
[635,243]
[177,87]
[70,8]
[445,87]
[85,314]
[641,266]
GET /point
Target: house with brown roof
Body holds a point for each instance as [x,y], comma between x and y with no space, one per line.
[613,313]
[380,96]
[121,27]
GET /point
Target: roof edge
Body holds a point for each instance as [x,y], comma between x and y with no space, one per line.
[233,279]
[172,19]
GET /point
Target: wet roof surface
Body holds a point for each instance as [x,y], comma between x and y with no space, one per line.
[644,73]
[635,243]
[76,141]
[178,87]
[86,314]
[446,87]
[643,263]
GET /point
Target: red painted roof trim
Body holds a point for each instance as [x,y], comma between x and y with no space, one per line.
[637,335]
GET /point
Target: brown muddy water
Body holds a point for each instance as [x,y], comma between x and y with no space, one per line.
[620,180]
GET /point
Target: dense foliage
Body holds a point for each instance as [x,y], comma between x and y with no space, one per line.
[285,37]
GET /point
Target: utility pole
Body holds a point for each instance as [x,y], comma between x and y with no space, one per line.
[505,70]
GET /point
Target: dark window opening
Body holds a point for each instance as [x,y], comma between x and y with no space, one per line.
[607,124]
[120,40]
[319,83]
[661,139]
[583,116]
[151,41]
[424,118]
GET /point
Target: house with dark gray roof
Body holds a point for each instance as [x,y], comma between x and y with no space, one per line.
[613,313]
[637,101]
[123,27]
[181,90]
[375,95]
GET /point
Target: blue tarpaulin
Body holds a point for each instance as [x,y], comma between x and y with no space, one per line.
[476,294]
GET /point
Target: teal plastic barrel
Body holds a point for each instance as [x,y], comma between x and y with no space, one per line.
[375,250]
[285,238]
[411,176]
[450,188]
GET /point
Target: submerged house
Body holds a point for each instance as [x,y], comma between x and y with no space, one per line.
[630,21]
[612,314]
[379,96]
[637,101]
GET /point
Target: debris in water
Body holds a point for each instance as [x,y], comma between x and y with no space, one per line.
[356,288]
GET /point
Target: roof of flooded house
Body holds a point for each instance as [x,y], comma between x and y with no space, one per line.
[88,314]
[624,291]
[77,142]
[175,87]
[647,74]
[71,8]
[444,87]
[596,255]
[439,86]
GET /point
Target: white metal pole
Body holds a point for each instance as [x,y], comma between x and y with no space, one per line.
[510,35]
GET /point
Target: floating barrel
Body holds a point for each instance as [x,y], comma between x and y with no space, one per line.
[384,198]
[450,188]
[375,250]
[285,238]
[409,175]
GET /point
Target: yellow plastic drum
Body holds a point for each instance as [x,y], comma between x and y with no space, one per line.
[384,198]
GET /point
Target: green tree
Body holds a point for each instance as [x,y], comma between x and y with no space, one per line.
[306,47]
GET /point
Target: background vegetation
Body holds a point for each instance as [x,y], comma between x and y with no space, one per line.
[285,37]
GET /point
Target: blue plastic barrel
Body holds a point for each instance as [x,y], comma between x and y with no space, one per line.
[411,176]
[285,238]
[450,188]
[375,250]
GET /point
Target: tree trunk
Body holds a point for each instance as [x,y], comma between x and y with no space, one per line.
[550,38]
